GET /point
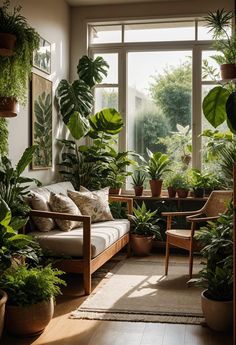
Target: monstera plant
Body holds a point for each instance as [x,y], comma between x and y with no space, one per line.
[76,100]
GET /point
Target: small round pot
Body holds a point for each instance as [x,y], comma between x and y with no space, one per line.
[3,300]
[228,71]
[141,245]
[8,107]
[156,186]
[182,193]
[198,192]
[138,190]
[7,44]
[171,192]
[115,191]
[29,321]
[218,314]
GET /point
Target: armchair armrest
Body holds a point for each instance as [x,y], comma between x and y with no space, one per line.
[193,218]
[129,202]
[177,214]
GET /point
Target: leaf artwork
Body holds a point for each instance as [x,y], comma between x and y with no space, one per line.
[43,130]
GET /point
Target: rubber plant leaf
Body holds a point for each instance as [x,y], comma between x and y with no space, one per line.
[231,111]
[78,125]
[108,121]
[92,71]
[214,105]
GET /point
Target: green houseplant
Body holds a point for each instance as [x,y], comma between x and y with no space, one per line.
[144,229]
[172,183]
[182,185]
[156,167]
[16,68]
[30,293]
[199,181]
[217,275]
[138,179]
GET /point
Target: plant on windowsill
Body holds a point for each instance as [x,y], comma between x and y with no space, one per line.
[144,229]
[171,183]
[31,293]
[156,167]
[182,185]
[199,181]
[217,276]
[138,179]
[15,64]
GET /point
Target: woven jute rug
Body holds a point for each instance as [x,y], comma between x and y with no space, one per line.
[137,290]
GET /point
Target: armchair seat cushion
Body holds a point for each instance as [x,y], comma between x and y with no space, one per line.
[103,235]
[179,233]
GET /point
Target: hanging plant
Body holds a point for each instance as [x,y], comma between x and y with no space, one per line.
[4,137]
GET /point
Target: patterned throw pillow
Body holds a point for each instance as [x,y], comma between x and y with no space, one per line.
[62,204]
[94,204]
[39,202]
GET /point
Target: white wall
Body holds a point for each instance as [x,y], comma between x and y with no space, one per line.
[52,21]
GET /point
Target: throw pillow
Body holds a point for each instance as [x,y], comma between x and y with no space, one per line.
[63,204]
[94,204]
[39,202]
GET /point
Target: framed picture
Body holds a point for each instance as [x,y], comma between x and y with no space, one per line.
[42,56]
[41,115]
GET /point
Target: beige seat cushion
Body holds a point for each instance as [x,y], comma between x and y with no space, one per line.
[179,233]
[94,204]
[70,243]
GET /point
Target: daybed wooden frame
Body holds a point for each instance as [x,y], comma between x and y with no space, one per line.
[88,265]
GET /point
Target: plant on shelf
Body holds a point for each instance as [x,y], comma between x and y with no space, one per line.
[171,182]
[144,229]
[16,67]
[138,179]
[76,100]
[216,240]
[157,166]
[199,181]
[30,293]
[182,185]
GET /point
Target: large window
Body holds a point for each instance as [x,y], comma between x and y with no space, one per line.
[157,78]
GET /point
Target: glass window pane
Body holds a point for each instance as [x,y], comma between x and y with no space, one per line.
[204,32]
[210,68]
[159,104]
[112,60]
[106,97]
[106,34]
[159,32]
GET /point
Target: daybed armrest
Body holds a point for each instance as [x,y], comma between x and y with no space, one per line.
[193,218]
[129,202]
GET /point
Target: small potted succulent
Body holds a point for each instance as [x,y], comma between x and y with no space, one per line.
[182,185]
[144,229]
[138,179]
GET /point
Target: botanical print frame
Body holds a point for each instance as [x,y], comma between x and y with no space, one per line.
[42,56]
[41,116]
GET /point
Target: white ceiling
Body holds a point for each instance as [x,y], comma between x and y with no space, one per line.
[107,2]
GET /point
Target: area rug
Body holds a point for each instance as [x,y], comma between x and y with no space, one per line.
[137,290]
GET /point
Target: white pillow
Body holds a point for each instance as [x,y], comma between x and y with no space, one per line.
[39,202]
[63,204]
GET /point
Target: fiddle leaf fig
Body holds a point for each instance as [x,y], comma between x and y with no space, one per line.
[214,105]
[108,121]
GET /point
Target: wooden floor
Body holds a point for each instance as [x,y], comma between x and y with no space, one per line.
[65,331]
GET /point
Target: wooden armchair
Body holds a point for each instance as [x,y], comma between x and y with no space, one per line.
[181,238]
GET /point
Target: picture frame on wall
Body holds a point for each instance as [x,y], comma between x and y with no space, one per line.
[42,56]
[41,119]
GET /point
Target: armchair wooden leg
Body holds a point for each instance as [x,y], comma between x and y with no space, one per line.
[87,283]
[191,263]
[167,257]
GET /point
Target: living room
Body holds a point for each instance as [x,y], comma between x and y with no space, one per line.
[142,45]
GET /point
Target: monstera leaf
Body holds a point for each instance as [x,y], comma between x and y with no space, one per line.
[78,125]
[108,121]
[214,105]
[92,71]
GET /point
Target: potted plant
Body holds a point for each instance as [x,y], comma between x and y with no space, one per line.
[138,179]
[199,181]
[217,275]
[156,166]
[30,293]
[15,68]
[171,182]
[220,23]
[181,185]
[144,229]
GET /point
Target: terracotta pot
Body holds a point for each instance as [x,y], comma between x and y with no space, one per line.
[3,300]
[138,190]
[198,192]
[218,314]
[141,245]
[29,321]
[182,193]
[115,191]
[228,71]
[171,192]
[8,107]
[7,44]
[156,186]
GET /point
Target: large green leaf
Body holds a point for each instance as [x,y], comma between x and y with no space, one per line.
[92,71]
[78,125]
[214,105]
[231,111]
[108,120]
[25,159]
[5,213]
